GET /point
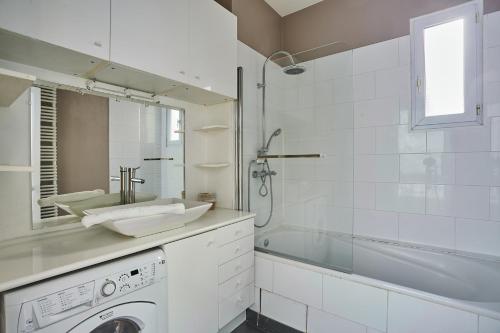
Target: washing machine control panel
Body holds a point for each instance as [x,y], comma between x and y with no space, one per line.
[125,281]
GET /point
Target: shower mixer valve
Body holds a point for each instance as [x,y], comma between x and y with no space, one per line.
[263,173]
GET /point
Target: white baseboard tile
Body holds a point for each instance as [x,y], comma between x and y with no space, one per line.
[284,310]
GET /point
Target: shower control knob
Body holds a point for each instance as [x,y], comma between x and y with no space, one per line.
[108,288]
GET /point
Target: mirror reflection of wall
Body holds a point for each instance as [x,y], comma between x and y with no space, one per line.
[81,141]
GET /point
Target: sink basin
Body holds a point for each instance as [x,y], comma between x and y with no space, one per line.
[148,225]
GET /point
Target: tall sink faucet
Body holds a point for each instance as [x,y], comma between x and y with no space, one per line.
[127,181]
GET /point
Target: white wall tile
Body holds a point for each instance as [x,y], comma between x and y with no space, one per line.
[478,169]
[409,198]
[393,82]
[263,273]
[488,325]
[404,50]
[364,140]
[342,298]
[427,229]
[364,86]
[376,56]
[339,64]
[376,168]
[458,201]
[427,168]
[495,203]
[411,315]
[492,99]
[378,224]
[364,195]
[491,29]
[284,310]
[398,139]
[322,322]
[323,93]
[342,89]
[495,134]
[306,96]
[377,112]
[459,139]
[478,236]
[304,286]
[492,64]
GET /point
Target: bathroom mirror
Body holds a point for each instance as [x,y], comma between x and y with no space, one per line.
[80,141]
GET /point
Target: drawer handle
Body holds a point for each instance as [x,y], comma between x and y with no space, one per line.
[238,267]
[237,250]
[210,243]
[239,300]
[238,283]
[98,43]
[237,232]
[182,72]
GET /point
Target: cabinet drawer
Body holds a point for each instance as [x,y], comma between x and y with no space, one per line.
[233,285]
[236,304]
[235,266]
[235,231]
[235,249]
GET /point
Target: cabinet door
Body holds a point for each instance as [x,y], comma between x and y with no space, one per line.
[151,35]
[192,284]
[213,47]
[82,26]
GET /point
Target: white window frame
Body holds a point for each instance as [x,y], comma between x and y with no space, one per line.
[472,13]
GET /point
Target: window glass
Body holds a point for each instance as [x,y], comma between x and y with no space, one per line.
[444,69]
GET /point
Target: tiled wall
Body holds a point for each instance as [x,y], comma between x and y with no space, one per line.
[379,179]
[437,187]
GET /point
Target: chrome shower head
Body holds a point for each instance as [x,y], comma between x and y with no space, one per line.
[275,133]
[294,69]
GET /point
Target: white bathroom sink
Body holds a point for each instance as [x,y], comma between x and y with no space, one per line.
[148,225]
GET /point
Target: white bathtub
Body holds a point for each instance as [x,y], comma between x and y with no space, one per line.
[460,280]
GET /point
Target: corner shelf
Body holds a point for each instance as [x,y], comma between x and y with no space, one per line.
[212,128]
[12,85]
[15,168]
[213,165]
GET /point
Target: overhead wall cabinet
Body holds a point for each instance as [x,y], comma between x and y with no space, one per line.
[184,49]
[81,26]
[151,35]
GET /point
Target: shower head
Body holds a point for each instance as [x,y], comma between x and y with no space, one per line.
[275,133]
[294,69]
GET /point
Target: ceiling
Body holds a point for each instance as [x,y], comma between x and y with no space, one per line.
[285,7]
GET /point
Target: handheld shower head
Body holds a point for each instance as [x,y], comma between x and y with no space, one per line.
[275,133]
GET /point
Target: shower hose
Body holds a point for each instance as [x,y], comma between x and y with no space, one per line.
[263,190]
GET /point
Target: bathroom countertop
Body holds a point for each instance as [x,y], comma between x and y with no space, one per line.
[32,259]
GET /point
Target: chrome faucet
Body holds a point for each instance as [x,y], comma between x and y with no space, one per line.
[127,181]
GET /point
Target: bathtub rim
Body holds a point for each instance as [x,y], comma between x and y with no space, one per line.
[472,307]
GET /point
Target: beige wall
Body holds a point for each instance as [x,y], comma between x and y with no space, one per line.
[82,142]
[356,23]
[259,26]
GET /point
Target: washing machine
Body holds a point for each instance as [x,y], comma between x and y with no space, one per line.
[122,296]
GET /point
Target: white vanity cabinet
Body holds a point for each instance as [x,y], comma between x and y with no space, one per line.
[192,280]
[213,47]
[152,36]
[210,278]
[81,26]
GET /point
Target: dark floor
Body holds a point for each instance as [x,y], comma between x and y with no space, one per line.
[246,328]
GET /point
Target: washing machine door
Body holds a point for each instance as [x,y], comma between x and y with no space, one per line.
[124,318]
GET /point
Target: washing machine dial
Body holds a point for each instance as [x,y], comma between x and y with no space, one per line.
[108,288]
